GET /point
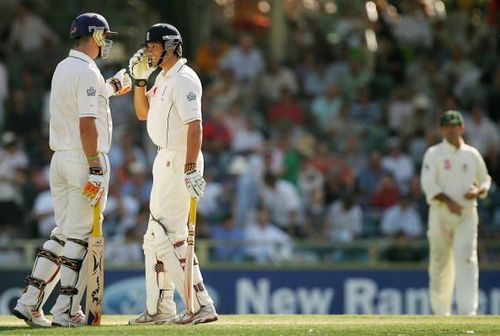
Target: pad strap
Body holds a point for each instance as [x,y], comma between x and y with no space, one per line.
[41,252]
[57,240]
[35,282]
[79,242]
[74,264]
[68,290]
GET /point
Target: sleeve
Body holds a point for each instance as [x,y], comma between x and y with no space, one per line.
[482,177]
[87,94]
[187,99]
[428,177]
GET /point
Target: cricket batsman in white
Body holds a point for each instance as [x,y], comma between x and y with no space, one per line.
[80,136]
[172,108]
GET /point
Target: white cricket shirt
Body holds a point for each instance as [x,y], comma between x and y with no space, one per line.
[78,90]
[453,171]
[174,101]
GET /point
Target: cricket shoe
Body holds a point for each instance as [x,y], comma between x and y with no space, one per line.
[158,318]
[30,315]
[206,314]
[64,320]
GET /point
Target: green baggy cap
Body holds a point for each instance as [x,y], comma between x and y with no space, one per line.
[451,117]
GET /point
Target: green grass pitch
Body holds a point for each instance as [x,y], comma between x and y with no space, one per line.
[263,325]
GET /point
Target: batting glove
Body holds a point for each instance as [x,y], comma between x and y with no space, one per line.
[139,68]
[119,84]
[195,183]
[94,188]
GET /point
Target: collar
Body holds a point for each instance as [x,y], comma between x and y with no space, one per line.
[81,56]
[175,68]
[450,147]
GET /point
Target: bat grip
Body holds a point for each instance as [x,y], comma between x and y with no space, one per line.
[96,222]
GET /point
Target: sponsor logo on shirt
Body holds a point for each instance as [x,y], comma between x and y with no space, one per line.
[191,96]
[447,164]
[91,91]
[163,93]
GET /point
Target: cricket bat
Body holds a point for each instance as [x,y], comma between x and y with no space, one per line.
[188,267]
[95,284]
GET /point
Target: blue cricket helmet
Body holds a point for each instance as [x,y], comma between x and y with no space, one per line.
[87,24]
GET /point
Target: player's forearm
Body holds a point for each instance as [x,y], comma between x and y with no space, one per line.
[89,137]
[194,140]
[141,103]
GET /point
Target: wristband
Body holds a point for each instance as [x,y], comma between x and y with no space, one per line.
[140,82]
[91,158]
[188,167]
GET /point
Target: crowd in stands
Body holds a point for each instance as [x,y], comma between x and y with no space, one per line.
[324,145]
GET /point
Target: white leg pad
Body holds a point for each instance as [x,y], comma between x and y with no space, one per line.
[74,277]
[159,285]
[45,274]
[173,255]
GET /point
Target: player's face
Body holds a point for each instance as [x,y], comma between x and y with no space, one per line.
[452,132]
[154,51]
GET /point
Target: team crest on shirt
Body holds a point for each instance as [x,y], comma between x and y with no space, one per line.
[91,91]
[447,164]
[191,96]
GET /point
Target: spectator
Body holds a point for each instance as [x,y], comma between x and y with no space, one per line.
[277,78]
[229,239]
[365,110]
[29,32]
[398,163]
[244,60]
[248,138]
[402,219]
[223,92]
[13,165]
[387,192]
[315,216]
[265,242]
[121,211]
[43,212]
[326,107]
[281,197]
[139,185]
[124,249]
[482,133]
[286,111]
[209,54]
[344,220]
[370,177]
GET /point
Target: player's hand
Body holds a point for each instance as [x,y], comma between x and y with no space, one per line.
[94,188]
[119,84]
[454,207]
[139,68]
[195,183]
[472,193]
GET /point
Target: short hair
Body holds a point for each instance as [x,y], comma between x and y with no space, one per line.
[81,40]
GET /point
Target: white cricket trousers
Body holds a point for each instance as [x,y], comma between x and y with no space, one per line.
[453,260]
[69,171]
[169,201]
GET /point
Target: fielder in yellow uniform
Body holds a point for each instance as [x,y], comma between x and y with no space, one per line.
[453,176]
